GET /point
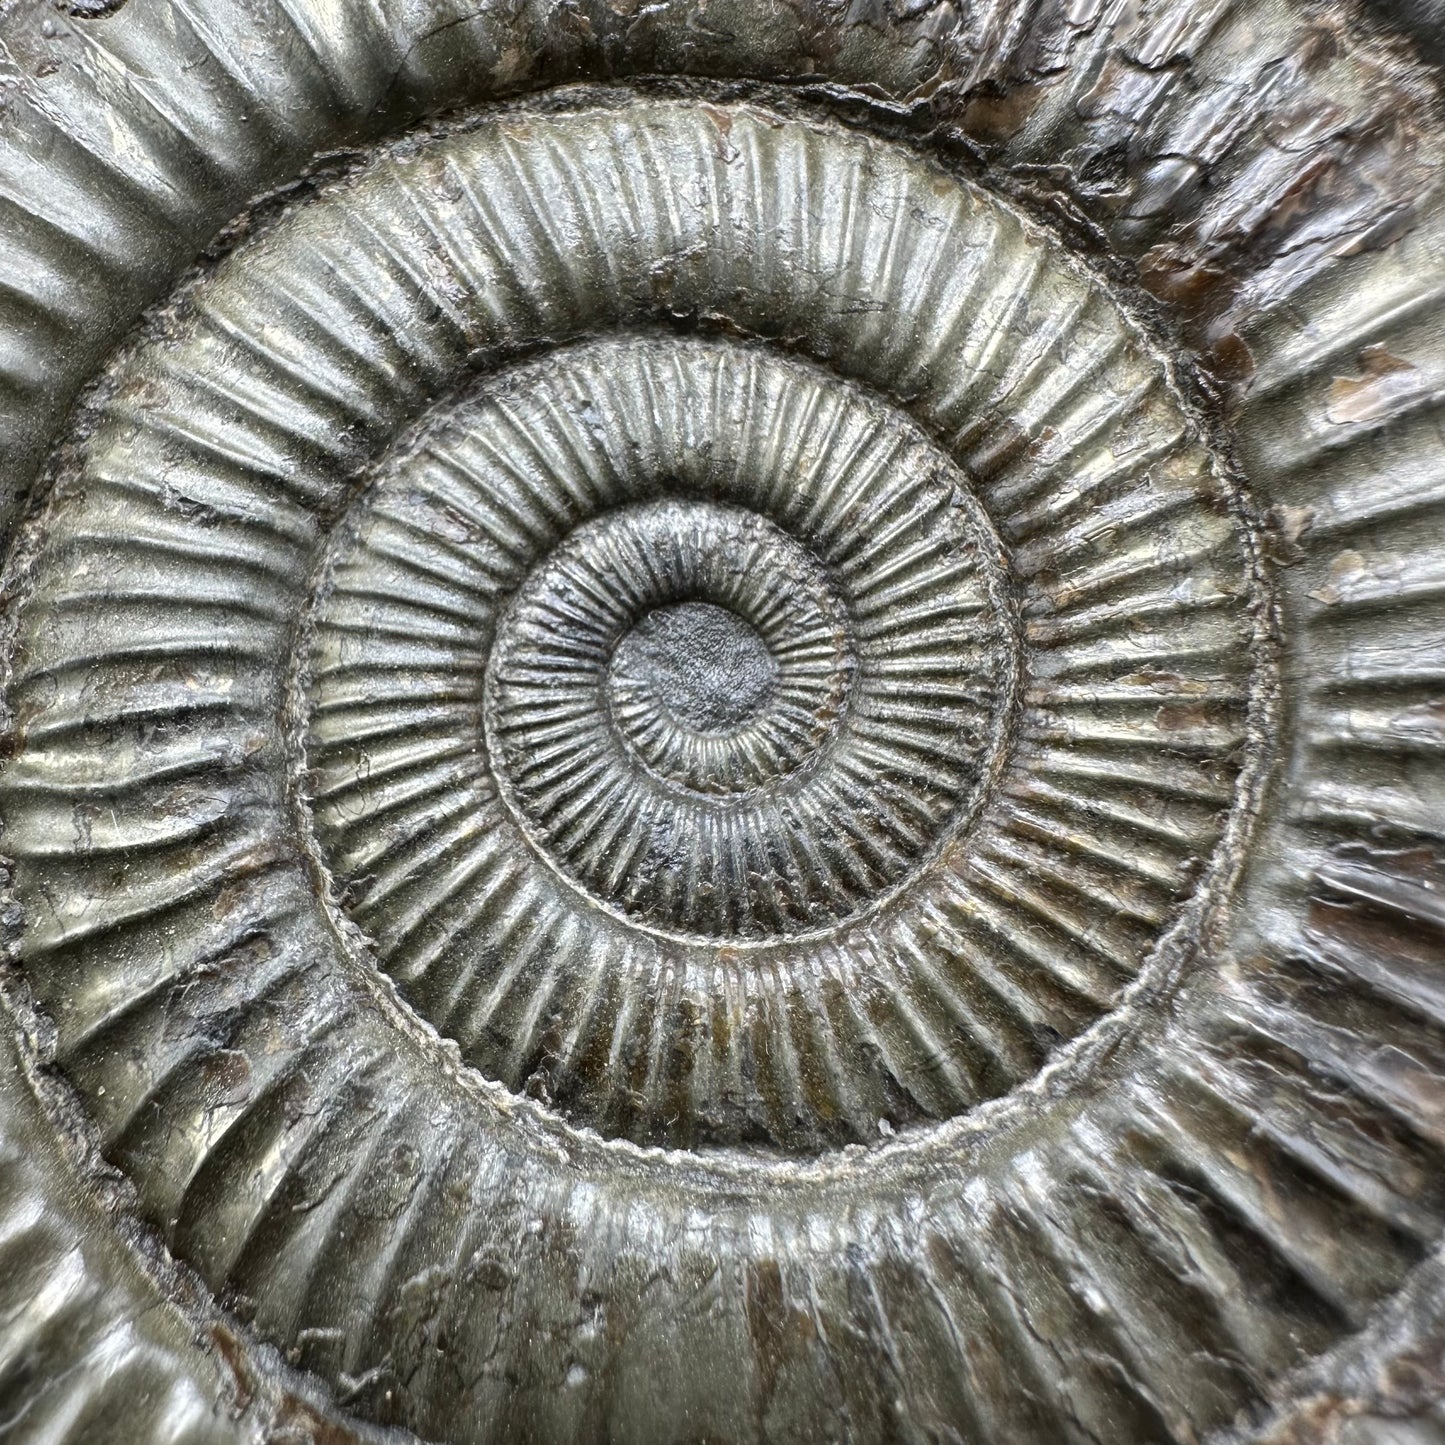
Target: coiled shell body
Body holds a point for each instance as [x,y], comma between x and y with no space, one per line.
[723,723]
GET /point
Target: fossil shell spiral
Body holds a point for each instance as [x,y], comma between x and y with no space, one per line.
[723,723]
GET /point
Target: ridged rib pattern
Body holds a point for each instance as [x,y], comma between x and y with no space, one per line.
[1138,1248]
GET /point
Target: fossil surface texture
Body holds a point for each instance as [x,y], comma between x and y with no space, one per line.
[724,722]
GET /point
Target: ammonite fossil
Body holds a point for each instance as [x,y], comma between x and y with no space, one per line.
[725,722]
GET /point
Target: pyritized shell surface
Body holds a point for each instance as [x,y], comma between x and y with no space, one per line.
[720,761]
[667,894]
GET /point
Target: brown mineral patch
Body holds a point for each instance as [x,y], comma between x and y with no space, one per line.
[1384,382]
[1183,717]
[780,1331]
[227,1077]
[1004,442]
[1285,527]
[229,1348]
[297,1423]
[996,114]
[1174,278]
[1164,681]
[727,152]
[1347,568]
[1231,358]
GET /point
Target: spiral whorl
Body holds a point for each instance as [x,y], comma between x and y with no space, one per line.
[760,755]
